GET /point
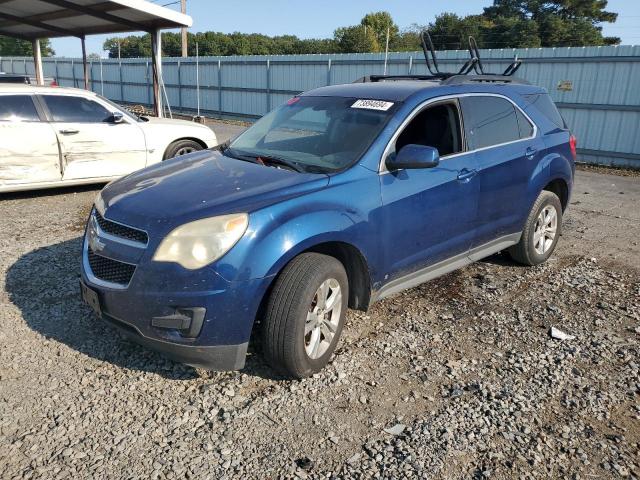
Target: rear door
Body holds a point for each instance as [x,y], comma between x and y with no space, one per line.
[93,146]
[507,151]
[29,150]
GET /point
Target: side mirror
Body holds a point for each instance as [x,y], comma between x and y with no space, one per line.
[414,156]
[117,117]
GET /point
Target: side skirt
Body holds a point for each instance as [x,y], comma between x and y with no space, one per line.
[445,266]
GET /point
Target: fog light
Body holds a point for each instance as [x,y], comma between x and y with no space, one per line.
[188,321]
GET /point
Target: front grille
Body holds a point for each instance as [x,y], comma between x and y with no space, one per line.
[109,270]
[119,230]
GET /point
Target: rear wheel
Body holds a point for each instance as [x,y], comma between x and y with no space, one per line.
[181,147]
[305,314]
[541,232]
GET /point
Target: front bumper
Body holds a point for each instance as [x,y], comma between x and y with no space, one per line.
[215,357]
[149,308]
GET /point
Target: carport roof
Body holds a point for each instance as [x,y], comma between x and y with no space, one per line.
[31,19]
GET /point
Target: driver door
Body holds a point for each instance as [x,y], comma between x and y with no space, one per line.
[429,214]
[93,145]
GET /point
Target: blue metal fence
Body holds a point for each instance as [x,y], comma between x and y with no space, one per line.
[596,88]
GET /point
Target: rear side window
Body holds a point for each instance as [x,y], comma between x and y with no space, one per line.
[18,108]
[76,109]
[543,102]
[489,121]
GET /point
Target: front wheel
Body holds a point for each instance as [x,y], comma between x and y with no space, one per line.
[181,147]
[541,231]
[305,314]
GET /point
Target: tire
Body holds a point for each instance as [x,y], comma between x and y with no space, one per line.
[293,307]
[181,147]
[532,249]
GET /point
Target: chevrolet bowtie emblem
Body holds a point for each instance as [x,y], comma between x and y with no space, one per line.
[94,242]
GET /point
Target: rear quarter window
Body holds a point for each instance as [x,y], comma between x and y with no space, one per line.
[18,108]
[543,103]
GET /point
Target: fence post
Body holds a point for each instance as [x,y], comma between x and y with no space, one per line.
[268,85]
[179,85]
[73,73]
[410,64]
[219,88]
[121,81]
[55,62]
[329,72]
[147,78]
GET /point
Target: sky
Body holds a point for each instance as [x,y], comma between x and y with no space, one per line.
[313,19]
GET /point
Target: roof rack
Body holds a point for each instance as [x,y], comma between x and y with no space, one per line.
[479,68]
[487,78]
[432,65]
[379,78]
[453,78]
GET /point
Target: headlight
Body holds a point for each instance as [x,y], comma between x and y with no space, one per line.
[196,244]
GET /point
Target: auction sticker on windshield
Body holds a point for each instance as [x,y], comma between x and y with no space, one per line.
[373,105]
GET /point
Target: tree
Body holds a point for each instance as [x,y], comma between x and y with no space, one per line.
[505,24]
[356,39]
[129,47]
[558,22]
[379,23]
[14,47]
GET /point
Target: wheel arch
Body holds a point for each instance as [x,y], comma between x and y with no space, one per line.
[560,188]
[356,267]
[192,139]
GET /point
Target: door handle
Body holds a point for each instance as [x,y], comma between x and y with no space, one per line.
[69,131]
[465,174]
[530,153]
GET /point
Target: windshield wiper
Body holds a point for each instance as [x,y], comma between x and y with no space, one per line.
[261,159]
[231,153]
[281,161]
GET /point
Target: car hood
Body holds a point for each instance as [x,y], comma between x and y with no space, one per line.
[200,185]
[164,127]
[169,121]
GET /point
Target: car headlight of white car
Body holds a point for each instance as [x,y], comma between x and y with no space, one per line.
[197,244]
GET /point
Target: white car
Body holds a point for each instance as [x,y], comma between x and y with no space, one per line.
[51,137]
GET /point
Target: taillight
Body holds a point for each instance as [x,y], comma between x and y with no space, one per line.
[573,142]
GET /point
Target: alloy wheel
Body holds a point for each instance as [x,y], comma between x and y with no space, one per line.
[545,229]
[323,318]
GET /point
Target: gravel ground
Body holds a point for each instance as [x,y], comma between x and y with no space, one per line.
[458,378]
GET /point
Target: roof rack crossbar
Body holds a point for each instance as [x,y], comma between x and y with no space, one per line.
[379,78]
[486,78]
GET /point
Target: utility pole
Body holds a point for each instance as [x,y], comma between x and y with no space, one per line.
[183,9]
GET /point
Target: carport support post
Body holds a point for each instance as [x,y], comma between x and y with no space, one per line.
[156,51]
[85,65]
[37,62]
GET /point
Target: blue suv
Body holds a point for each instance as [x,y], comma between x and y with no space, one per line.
[340,197]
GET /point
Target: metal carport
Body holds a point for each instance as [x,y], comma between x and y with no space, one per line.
[35,19]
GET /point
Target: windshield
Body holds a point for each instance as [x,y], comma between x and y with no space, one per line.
[316,133]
